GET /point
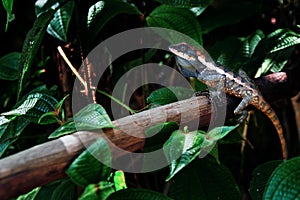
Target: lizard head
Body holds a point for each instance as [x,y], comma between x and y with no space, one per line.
[184,51]
[186,56]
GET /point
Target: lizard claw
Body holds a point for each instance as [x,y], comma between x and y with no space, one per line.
[242,117]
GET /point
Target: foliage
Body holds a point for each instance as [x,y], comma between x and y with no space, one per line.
[235,35]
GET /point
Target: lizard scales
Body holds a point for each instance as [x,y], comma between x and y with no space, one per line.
[195,62]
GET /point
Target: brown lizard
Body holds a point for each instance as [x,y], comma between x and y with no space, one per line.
[196,62]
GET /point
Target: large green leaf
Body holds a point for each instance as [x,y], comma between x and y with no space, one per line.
[168,95]
[219,132]
[179,19]
[11,130]
[182,148]
[61,189]
[87,168]
[9,65]
[30,195]
[137,194]
[66,190]
[284,182]
[275,61]
[250,42]
[33,107]
[286,40]
[94,10]
[229,13]
[27,110]
[231,57]
[8,5]
[59,25]
[273,51]
[204,179]
[260,177]
[158,134]
[97,18]
[92,117]
[31,46]
[66,128]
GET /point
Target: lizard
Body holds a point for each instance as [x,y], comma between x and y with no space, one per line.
[196,62]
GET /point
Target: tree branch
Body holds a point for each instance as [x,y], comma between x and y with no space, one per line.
[47,162]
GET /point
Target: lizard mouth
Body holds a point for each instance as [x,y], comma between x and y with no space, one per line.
[180,54]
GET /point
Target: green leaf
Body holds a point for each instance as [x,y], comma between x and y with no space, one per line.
[66,190]
[94,10]
[273,51]
[250,43]
[87,168]
[219,132]
[59,25]
[286,40]
[168,95]
[97,191]
[29,109]
[53,116]
[46,191]
[231,57]
[230,13]
[186,3]
[137,194]
[119,180]
[158,134]
[204,179]
[8,5]
[30,195]
[9,65]
[48,118]
[33,107]
[179,19]
[92,117]
[60,103]
[284,182]
[67,128]
[42,6]
[275,62]
[111,9]
[181,149]
[260,177]
[30,48]
[10,130]
[61,189]
[4,122]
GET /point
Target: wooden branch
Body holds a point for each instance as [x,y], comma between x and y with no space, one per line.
[45,163]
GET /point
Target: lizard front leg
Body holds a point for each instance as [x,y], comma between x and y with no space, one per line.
[215,82]
[240,109]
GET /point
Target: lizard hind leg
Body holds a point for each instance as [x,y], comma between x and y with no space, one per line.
[244,75]
[242,106]
[243,116]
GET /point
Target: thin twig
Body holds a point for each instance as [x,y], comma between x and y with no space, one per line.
[62,53]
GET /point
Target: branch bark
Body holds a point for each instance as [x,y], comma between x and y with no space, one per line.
[46,162]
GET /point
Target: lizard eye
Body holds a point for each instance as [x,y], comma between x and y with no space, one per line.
[183,48]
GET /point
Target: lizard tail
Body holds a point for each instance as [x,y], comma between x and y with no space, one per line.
[270,113]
